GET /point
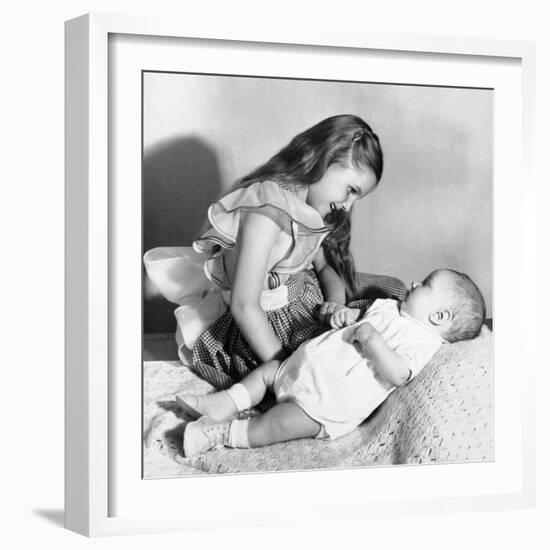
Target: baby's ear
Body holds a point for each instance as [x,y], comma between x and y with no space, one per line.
[440,316]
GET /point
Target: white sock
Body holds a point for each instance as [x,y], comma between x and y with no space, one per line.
[240,396]
[238,434]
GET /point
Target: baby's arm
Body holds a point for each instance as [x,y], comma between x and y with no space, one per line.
[256,239]
[389,364]
[334,290]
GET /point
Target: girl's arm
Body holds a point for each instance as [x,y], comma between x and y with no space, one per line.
[257,235]
[389,364]
[332,286]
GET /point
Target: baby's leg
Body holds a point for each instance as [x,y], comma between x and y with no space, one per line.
[261,379]
[224,404]
[283,422]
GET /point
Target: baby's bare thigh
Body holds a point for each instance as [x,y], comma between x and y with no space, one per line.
[285,421]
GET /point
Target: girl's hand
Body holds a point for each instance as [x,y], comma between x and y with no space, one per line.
[343,317]
[327,310]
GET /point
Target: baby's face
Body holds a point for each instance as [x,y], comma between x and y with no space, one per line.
[428,296]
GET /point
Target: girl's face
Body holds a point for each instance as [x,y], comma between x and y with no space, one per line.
[339,188]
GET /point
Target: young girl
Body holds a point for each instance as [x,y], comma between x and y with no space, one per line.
[246,291]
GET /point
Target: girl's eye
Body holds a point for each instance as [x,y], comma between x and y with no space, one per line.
[352,190]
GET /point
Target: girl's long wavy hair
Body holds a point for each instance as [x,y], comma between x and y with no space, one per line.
[344,139]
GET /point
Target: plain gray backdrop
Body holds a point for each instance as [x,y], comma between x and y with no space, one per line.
[432,209]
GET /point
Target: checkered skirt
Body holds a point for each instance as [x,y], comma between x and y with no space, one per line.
[222,356]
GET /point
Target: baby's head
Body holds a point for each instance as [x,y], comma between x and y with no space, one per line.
[449,302]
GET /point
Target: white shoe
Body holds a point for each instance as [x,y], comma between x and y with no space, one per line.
[189,404]
[217,406]
[204,435]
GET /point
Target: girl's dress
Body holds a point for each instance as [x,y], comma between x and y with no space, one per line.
[195,278]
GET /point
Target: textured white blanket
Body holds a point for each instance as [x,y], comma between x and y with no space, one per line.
[444,415]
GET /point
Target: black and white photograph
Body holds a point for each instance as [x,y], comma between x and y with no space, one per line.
[317,274]
[289,260]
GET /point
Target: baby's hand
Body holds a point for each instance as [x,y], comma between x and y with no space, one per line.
[343,317]
[327,310]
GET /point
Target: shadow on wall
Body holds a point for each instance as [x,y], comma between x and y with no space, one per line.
[181,178]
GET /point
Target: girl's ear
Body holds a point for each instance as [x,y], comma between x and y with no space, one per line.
[440,316]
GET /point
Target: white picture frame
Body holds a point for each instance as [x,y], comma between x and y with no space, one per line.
[93,492]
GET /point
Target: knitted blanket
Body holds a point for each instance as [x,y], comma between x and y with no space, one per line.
[444,415]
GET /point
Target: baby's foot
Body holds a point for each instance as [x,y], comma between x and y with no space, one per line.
[218,406]
[203,435]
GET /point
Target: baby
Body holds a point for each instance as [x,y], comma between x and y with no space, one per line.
[333,382]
